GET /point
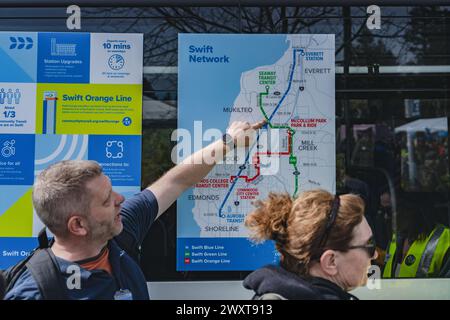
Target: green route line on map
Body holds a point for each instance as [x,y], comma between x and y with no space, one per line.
[290,152]
[292,159]
[291,132]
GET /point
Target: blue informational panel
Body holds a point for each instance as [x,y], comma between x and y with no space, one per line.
[287,80]
[118,157]
[63,57]
[17,159]
[18,57]
[64,96]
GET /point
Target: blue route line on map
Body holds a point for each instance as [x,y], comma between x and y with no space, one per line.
[257,139]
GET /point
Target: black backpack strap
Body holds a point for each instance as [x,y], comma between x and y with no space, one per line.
[46,272]
[2,285]
[43,267]
[43,239]
[11,275]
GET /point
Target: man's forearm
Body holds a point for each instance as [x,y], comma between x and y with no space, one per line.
[195,167]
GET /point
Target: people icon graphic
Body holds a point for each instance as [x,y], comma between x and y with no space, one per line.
[2,96]
[17,96]
[9,96]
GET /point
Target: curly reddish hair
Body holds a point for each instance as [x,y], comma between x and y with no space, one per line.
[297,225]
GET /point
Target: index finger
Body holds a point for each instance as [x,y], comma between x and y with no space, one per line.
[259,125]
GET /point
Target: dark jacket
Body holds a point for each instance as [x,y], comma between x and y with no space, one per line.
[275,279]
[138,213]
[2,286]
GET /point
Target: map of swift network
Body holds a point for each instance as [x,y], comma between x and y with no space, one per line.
[289,81]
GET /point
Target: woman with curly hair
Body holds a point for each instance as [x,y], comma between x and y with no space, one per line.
[325,243]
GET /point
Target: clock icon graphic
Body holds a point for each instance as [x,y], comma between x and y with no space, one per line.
[116,62]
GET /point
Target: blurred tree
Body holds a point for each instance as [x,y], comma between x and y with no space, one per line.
[428,35]
[156,151]
[371,50]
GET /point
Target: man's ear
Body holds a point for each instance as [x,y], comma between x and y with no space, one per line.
[328,262]
[77,226]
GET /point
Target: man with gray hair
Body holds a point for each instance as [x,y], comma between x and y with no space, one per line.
[96,230]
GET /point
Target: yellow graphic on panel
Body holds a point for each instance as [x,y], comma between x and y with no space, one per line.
[17,221]
[89,109]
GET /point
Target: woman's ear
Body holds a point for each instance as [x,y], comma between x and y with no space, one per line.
[77,226]
[328,263]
